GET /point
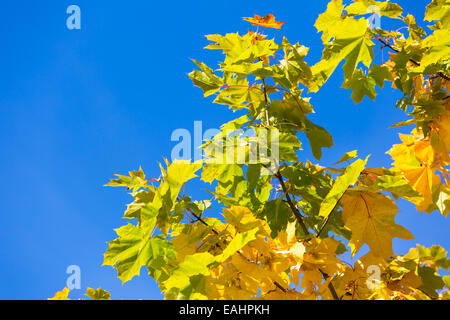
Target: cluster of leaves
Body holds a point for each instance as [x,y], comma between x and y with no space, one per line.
[282,235]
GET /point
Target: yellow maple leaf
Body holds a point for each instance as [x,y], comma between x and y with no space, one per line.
[61,295]
[440,135]
[288,295]
[319,258]
[417,160]
[371,218]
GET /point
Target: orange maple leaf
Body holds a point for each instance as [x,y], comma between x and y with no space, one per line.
[267,21]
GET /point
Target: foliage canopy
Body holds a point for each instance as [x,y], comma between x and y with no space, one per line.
[282,235]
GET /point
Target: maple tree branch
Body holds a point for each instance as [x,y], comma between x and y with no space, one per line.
[279,286]
[299,218]
[328,218]
[386,44]
[324,224]
[440,74]
[238,252]
[267,101]
[294,97]
[330,286]
[294,209]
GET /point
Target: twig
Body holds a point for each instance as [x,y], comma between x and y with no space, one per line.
[326,220]
[330,286]
[238,252]
[440,74]
[267,101]
[294,209]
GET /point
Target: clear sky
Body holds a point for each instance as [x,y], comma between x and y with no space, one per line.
[77,106]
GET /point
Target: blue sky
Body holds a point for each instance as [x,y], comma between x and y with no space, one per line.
[77,106]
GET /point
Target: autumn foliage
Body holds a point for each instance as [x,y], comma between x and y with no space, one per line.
[282,235]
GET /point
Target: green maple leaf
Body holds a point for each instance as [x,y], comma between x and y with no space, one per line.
[361,85]
[141,199]
[288,144]
[393,182]
[431,281]
[380,74]
[180,280]
[98,294]
[435,253]
[438,50]
[134,248]
[277,214]
[205,79]
[351,43]
[135,180]
[327,21]
[441,199]
[292,70]
[293,112]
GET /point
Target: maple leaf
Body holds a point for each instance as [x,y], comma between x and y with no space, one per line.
[277,214]
[328,20]
[371,218]
[319,257]
[291,111]
[347,156]
[415,158]
[361,85]
[134,248]
[267,21]
[205,79]
[386,8]
[61,295]
[440,136]
[353,284]
[439,10]
[351,42]
[349,177]
[98,294]
[135,180]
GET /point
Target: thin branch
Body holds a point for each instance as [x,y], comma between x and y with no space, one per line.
[440,74]
[299,218]
[267,101]
[238,252]
[294,209]
[328,218]
[330,286]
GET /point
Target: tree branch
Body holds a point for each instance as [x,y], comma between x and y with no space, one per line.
[294,209]
[330,286]
[326,220]
[238,252]
[440,74]
[267,101]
